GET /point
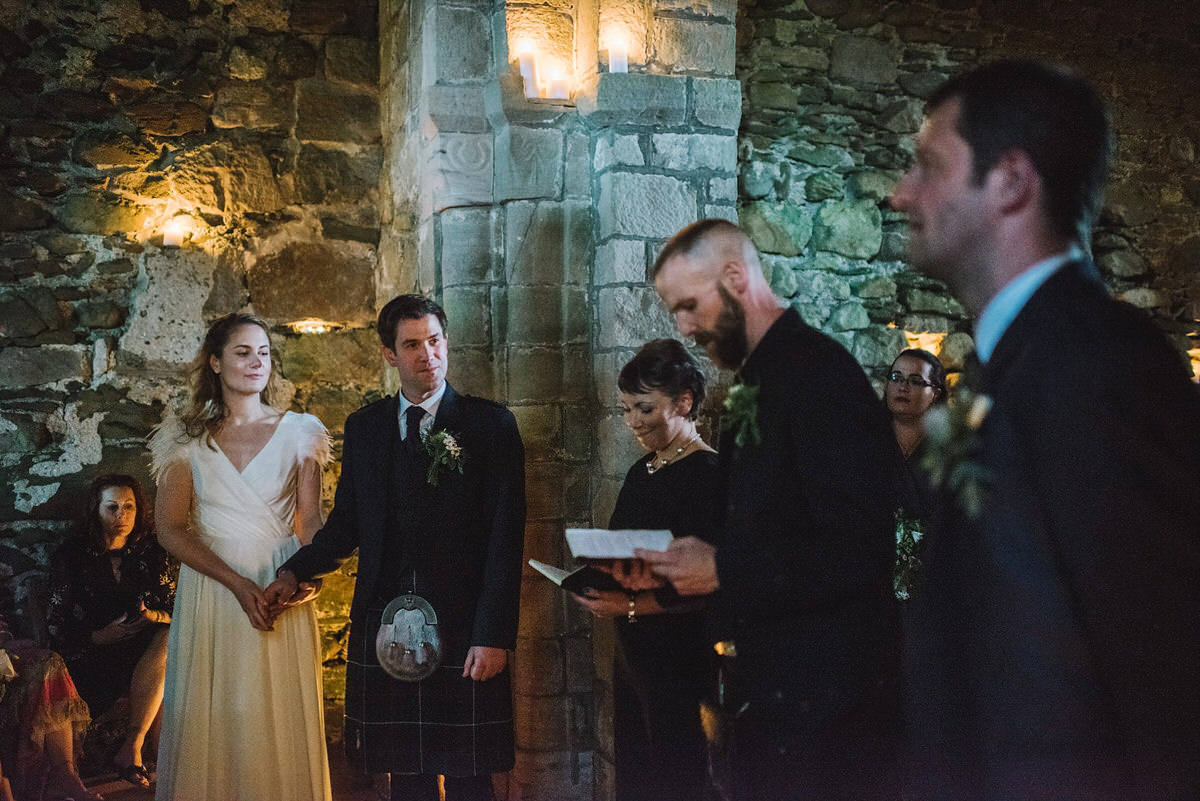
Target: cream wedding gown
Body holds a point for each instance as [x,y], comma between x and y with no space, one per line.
[243,717]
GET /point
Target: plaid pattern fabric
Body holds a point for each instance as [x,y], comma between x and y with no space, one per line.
[444,724]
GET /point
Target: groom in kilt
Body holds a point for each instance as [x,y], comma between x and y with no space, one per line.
[432,495]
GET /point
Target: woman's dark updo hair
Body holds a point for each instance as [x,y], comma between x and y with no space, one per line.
[666,366]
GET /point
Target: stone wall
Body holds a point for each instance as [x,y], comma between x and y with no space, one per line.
[833,91]
[257,124]
[252,124]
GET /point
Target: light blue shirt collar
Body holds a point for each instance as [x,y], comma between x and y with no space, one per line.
[1001,310]
[430,405]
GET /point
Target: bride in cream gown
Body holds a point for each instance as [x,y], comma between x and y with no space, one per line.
[239,492]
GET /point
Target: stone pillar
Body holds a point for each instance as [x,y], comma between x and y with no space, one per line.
[663,140]
[533,222]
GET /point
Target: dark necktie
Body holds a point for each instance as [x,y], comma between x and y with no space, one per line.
[412,422]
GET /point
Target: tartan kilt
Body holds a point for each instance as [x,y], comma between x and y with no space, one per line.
[443,724]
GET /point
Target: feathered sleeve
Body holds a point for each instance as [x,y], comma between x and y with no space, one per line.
[314,441]
[168,445]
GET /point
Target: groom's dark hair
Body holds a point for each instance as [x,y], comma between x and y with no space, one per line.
[406,307]
[1051,114]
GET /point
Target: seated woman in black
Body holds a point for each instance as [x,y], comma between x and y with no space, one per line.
[665,663]
[111,596]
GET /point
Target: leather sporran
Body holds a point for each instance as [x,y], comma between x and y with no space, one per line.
[408,645]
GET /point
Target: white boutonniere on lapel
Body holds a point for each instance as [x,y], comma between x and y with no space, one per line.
[952,448]
[445,454]
[741,415]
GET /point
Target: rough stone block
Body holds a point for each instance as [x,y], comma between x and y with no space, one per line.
[541,723]
[576,315]
[548,243]
[621,149]
[314,280]
[353,60]
[468,254]
[253,107]
[30,313]
[823,185]
[543,610]
[98,213]
[535,315]
[105,150]
[871,185]
[851,229]
[471,310]
[689,152]
[252,185]
[337,358]
[332,406]
[541,775]
[653,206]
[535,375]
[621,261]
[632,98]
[724,9]
[928,301]
[877,287]
[529,163]
[543,490]
[577,176]
[578,652]
[457,108]
[472,371]
[462,46]
[722,190]
[629,316]
[782,228]
[694,45]
[955,348]
[100,313]
[850,316]
[21,368]
[1122,264]
[168,114]
[860,60]
[458,170]
[541,429]
[717,102]
[166,323]
[538,667]
[327,112]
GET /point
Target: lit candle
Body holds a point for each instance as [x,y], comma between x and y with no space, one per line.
[173,234]
[528,68]
[618,56]
[558,89]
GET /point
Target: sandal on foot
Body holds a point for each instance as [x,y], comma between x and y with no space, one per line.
[137,775]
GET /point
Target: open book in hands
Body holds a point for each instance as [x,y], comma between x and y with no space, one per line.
[602,545]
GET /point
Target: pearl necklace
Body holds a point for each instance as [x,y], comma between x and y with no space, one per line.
[659,462]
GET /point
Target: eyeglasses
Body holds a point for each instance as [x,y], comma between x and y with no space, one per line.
[914,381]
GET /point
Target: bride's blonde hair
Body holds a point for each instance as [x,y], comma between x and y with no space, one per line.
[206,408]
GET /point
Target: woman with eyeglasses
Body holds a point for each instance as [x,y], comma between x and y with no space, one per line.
[916,383]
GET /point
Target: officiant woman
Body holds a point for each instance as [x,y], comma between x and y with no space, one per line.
[664,664]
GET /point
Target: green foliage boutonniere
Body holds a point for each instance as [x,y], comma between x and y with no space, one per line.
[741,415]
[908,549]
[952,446]
[444,454]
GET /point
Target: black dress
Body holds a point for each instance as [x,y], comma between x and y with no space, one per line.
[665,664]
[86,596]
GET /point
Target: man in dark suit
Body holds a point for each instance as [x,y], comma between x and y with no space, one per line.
[1055,645]
[803,571]
[450,533]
